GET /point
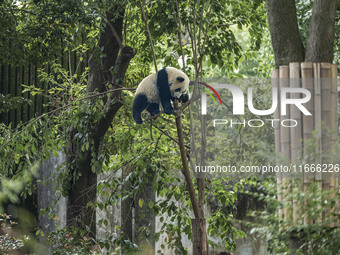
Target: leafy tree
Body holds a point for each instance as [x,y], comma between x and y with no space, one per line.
[36,31]
[92,119]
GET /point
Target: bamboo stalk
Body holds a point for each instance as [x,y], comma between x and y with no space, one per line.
[326,120]
[12,87]
[285,148]
[275,85]
[18,83]
[308,127]
[334,126]
[295,113]
[326,105]
[296,145]
[318,147]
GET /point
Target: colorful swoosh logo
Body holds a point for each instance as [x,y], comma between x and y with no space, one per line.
[213,90]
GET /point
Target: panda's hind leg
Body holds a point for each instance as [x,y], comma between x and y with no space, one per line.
[139,104]
[153,109]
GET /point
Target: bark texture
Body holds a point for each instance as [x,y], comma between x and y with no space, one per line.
[321,36]
[284,31]
[108,56]
[99,66]
[199,231]
[199,237]
[286,40]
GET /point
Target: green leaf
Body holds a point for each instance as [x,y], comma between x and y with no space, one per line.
[55,153]
[140,203]
[156,236]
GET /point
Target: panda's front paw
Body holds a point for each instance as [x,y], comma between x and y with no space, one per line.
[168,110]
[184,98]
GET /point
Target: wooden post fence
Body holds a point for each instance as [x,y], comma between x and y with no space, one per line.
[308,147]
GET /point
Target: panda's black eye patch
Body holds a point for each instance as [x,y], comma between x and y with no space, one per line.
[178,90]
[180,79]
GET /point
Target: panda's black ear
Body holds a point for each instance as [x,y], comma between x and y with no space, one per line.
[180,79]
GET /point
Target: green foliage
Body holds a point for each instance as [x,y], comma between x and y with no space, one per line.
[304,14]
[205,24]
[37,30]
[146,155]
[67,241]
[258,62]
[12,238]
[317,238]
[221,222]
[31,142]
[133,156]
[7,102]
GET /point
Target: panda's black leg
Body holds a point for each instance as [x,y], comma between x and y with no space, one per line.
[167,105]
[139,104]
[153,109]
[164,91]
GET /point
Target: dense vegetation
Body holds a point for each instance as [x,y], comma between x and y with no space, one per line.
[76,46]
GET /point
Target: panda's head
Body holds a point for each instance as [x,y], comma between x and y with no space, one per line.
[178,81]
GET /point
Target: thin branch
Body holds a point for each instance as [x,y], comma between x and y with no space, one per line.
[114,32]
[149,34]
[70,66]
[180,34]
[194,38]
[125,163]
[201,22]
[202,50]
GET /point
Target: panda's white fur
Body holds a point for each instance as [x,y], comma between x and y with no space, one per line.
[173,73]
[171,80]
[148,86]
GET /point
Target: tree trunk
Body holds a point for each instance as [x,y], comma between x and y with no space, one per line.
[83,189]
[99,67]
[321,36]
[82,192]
[286,39]
[126,209]
[199,232]
[145,218]
[199,237]
[283,26]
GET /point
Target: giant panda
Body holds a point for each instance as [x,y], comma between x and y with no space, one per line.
[157,90]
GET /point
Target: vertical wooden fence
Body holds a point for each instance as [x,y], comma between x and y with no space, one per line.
[12,78]
[308,147]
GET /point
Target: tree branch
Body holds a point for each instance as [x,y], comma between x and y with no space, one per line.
[179,22]
[113,104]
[149,35]
[114,32]
[185,170]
